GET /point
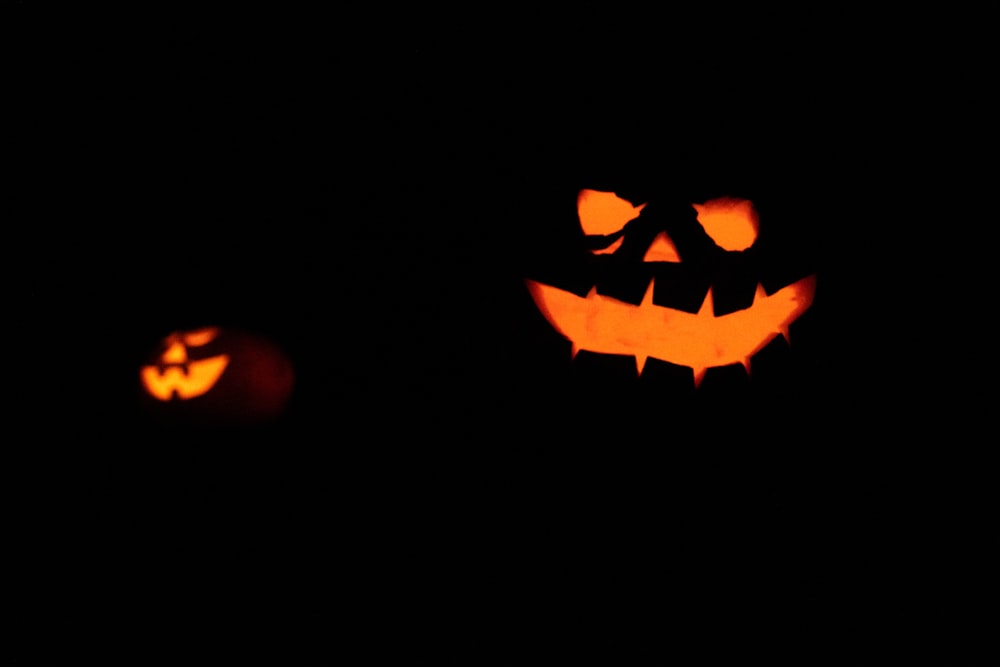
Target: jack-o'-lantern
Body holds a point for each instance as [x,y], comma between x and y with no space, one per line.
[216,375]
[649,291]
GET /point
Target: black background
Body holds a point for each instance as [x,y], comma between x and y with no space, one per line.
[370,198]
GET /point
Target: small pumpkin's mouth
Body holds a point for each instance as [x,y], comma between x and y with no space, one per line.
[701,340]
[183,381]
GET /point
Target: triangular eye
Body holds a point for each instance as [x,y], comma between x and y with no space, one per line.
[732,223]
[662,249]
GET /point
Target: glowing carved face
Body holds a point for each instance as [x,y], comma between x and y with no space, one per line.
[176,376]
[700,340]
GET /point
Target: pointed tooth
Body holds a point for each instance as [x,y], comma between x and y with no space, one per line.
[784,332]
[746,365]
[708,305]
[647,298]
[640,362]
[699,374]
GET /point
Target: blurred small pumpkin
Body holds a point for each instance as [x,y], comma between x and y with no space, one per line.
[216,375]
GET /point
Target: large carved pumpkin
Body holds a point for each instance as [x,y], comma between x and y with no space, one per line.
[646,278]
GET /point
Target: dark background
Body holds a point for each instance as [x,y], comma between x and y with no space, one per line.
[371,199]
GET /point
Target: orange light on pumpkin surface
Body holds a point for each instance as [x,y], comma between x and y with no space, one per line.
[701,340]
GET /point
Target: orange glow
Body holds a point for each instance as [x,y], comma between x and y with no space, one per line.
[603,213]
[180,377]
[699,341]
[732,223]
[662,249]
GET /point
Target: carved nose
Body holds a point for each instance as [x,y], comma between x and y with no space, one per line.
[662,249]
[176,354]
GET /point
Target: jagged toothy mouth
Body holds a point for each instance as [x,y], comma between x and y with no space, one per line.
[699,340]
